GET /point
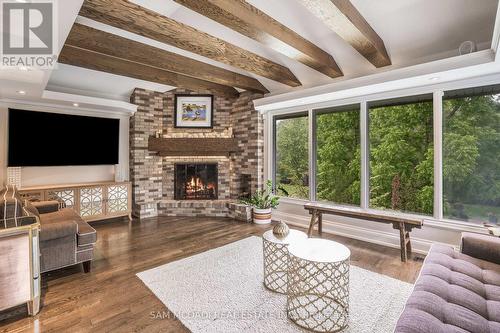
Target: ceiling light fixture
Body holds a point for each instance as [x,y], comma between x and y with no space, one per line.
[434,78]
[76,104]
[22,92]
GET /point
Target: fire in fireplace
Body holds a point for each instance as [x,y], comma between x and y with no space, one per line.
[195,181]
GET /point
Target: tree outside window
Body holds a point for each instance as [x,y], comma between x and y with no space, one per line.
[471,155]
[292,155]
[338,154]
[402,155]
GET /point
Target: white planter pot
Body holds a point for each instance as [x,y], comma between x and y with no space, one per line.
[262,216]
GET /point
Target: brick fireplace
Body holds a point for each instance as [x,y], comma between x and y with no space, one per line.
[161,183]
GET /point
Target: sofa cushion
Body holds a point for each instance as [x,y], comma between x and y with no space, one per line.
[84,232]
[61,215]
[454,293]
[45,207]
[10,203]
[57,229]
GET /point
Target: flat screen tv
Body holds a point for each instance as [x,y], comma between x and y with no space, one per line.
[52,139]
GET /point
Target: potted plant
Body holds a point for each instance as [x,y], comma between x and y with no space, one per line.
[263,202]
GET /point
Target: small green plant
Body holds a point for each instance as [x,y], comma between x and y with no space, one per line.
[263,199]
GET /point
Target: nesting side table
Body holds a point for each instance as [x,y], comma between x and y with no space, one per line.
[318,285]
[276,259]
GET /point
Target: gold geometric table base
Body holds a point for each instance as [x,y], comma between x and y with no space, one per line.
[318,291]
[276,259]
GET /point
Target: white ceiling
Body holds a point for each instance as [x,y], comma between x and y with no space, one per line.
[98,84]
[34,81]
[414,32]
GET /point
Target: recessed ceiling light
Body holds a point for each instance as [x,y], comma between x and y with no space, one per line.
[76,104]
[434,78]
[22,92]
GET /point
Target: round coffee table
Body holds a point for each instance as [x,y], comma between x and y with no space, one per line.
[318,285]
[276,259]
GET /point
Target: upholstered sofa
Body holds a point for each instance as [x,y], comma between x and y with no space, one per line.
[456,291]
[65,238]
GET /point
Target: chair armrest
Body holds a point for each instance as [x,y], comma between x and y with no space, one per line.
[45,207]
[479,246]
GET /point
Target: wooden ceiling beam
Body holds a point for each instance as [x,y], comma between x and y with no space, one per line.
[76,56]
[133,18]
[343,18]
[244,18]
[102,42]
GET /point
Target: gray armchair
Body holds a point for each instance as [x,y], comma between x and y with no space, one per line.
[65,238]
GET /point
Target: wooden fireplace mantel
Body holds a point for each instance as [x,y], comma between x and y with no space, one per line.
[193,146]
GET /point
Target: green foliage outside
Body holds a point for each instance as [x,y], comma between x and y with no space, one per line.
[401,157]
[471,158]
[296,191]
[292,158]
[339,157]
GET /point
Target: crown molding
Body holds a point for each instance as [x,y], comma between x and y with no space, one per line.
[431,74]
[115,109]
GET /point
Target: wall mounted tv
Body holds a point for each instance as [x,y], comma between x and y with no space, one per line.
[53,139]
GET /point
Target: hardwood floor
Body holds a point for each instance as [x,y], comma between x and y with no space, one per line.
[112,299]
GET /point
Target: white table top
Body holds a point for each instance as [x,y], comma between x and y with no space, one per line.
[319,250]
[293,236]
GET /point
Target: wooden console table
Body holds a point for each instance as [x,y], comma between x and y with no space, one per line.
[403,224]
[92,201]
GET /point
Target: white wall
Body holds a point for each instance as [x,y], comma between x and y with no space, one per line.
[36,176]
[293,213]
[3,145]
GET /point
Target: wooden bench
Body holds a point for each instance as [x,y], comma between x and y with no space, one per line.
[403,224]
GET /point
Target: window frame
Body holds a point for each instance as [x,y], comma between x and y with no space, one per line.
[275,119]
[437,91]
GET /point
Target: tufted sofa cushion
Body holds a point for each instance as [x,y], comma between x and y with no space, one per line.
[454,293]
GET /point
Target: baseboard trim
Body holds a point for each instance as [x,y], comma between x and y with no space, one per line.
[388,239]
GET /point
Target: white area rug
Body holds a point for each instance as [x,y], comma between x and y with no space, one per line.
[221,290]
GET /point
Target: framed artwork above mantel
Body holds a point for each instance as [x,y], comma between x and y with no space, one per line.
[193,111]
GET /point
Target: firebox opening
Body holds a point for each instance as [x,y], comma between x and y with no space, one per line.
[195,181]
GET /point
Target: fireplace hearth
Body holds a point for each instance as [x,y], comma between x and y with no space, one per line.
[196,181]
